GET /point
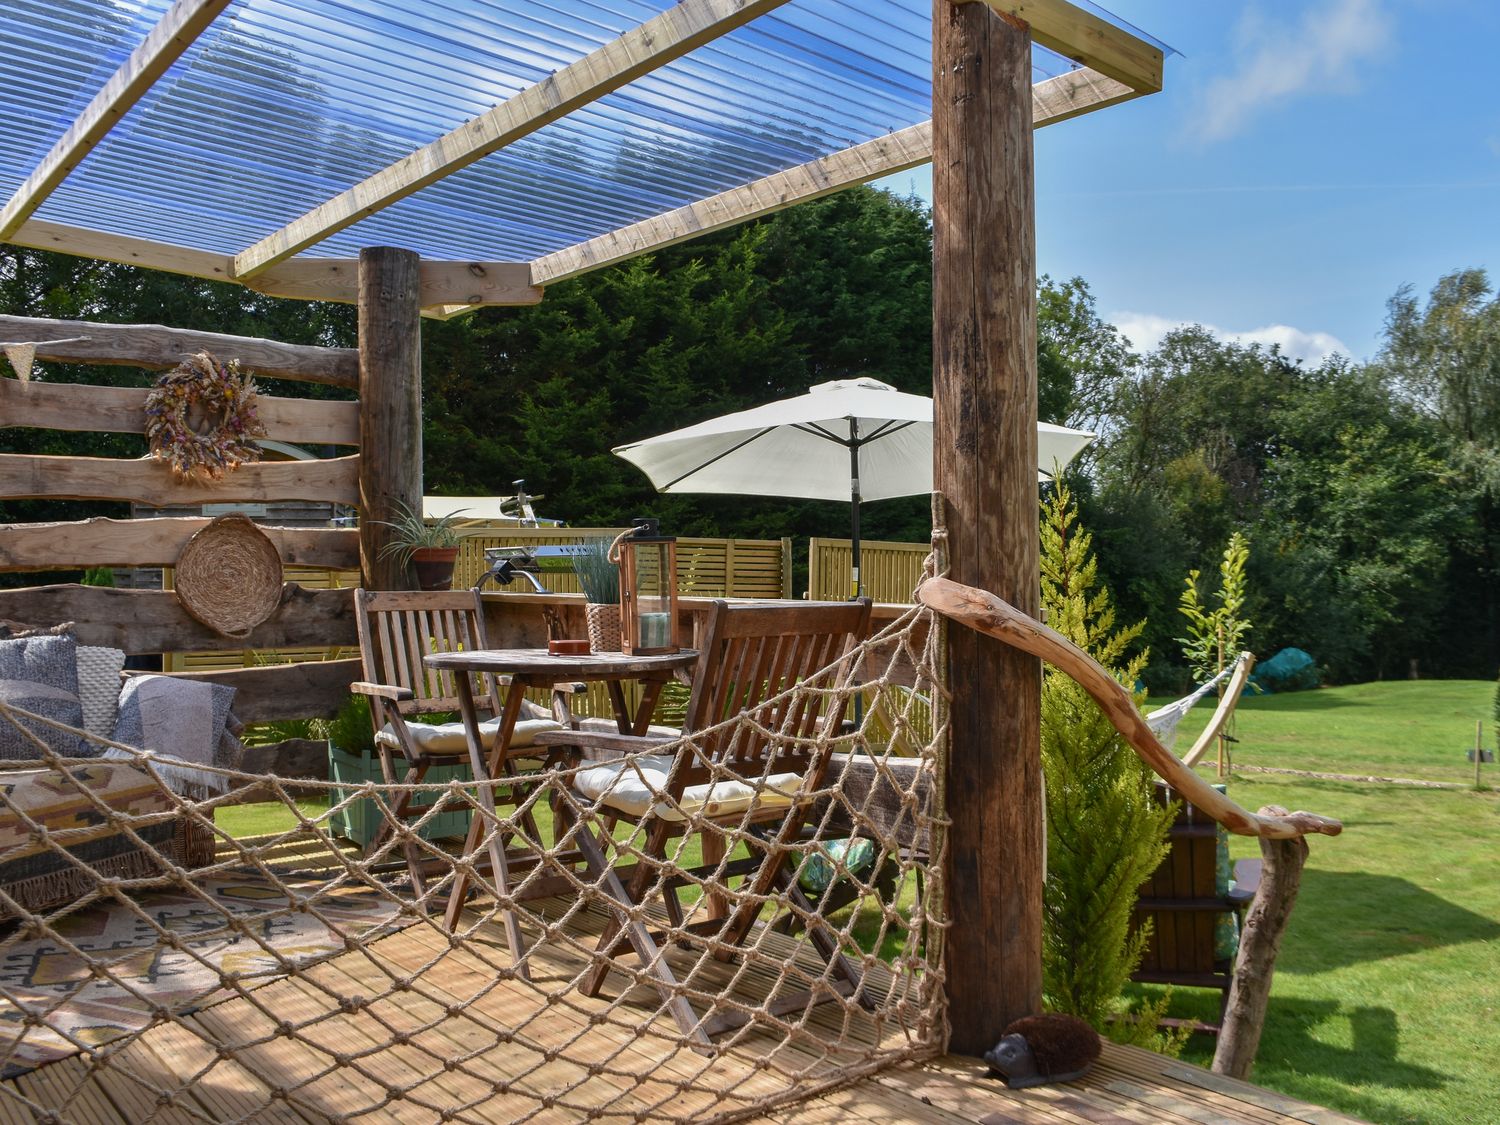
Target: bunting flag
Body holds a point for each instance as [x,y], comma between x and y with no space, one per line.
[20,356]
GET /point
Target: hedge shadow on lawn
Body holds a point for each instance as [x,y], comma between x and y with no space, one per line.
[1376,916]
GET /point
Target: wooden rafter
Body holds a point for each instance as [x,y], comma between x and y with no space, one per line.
[653,44]
[1053,100]
[1088,40]
[308,279]
[183,22]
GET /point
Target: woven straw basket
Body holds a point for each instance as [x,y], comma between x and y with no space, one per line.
[228,576]
[604,626]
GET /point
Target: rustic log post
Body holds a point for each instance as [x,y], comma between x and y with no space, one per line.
[390,405]
[1250,989]
[984,450]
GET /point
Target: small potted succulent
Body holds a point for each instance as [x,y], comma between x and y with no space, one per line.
[599,577]
[431,548]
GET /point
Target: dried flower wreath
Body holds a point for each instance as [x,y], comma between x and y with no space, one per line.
[201,417]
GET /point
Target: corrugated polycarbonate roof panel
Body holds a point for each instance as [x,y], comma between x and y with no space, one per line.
[283,104]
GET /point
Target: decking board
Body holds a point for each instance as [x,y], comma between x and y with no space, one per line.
[459,1038]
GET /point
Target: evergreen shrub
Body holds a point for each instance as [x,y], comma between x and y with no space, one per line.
[1106,833]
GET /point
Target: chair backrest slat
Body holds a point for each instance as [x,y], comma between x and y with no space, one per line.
[398,629]
[750,657]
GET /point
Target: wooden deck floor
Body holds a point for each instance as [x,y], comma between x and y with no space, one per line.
[485,1050]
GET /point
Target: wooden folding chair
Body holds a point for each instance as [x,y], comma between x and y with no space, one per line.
[397,630]
[749,655]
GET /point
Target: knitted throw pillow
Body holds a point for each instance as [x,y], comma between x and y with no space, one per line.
[39,674]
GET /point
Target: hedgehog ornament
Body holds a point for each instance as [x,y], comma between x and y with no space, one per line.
[1048,1048]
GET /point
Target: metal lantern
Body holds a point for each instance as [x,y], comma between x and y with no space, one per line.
[648,590]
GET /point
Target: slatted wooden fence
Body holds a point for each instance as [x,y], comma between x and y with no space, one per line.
[889,572]
[706,568]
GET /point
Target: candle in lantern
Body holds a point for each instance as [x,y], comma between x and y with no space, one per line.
[656,630]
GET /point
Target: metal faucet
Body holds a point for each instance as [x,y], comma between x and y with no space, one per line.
[509,563]
[506,564]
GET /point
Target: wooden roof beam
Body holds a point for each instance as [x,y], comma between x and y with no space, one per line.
[474,284]
[1053,100]
[173,34]
[653,44]
[1088,40]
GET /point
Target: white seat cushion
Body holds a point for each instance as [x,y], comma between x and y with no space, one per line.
[634,787]
[448,738]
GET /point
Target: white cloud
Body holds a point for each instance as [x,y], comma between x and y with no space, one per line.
[1277,61]
[1145,331]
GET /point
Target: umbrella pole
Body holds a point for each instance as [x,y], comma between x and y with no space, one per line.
[854,499]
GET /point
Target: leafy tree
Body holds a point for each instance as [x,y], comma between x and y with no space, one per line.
[1106,833]
[1445,356]
[1082,362]
[1216,634]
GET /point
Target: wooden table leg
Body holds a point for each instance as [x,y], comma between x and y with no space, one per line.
[485,772]
[650,693]
[638,723]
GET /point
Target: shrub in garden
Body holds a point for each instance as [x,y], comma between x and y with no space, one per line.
[1106,833]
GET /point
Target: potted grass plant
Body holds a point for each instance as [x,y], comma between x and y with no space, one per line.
[599,577]
[430,548]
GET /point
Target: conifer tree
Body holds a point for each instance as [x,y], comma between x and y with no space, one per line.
[1105,832]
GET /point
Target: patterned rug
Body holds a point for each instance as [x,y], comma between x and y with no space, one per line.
[78,1010]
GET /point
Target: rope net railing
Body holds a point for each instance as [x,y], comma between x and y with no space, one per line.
[192,975]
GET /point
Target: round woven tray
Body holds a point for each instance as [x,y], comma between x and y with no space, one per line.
[229,576]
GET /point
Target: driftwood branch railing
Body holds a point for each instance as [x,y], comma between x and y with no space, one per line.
[1281,833]
[984,612]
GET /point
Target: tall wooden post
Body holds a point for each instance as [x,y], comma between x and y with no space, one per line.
[390,405]
[984,448]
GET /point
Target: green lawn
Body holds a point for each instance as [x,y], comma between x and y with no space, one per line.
[1386,1002]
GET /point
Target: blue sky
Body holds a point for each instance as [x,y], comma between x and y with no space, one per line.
[1306,158]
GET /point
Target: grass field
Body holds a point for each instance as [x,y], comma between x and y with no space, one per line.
[1386,1002]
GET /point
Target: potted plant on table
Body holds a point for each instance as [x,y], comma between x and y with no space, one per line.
[599,577]
[430,548]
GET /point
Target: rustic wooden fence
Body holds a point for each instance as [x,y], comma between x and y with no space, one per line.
[153,621]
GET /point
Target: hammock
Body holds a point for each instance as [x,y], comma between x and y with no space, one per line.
[1163,721]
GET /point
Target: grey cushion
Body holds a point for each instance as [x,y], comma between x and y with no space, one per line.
[186,720]
[40,674]
[130,722]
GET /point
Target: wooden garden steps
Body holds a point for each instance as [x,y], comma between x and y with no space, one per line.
[397,1051]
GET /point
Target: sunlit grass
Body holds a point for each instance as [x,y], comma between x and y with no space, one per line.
[1386,1001]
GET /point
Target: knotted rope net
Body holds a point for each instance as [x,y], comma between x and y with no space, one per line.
[196,975]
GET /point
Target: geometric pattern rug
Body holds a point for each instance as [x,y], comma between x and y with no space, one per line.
[78,1010]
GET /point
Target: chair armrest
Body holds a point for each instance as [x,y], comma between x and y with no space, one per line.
[382,691]
[591,742]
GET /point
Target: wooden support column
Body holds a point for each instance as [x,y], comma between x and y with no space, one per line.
[984,449]
[390,405]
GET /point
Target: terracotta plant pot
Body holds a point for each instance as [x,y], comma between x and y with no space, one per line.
[434,567]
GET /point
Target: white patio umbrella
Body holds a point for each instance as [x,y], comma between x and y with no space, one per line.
[859,439]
